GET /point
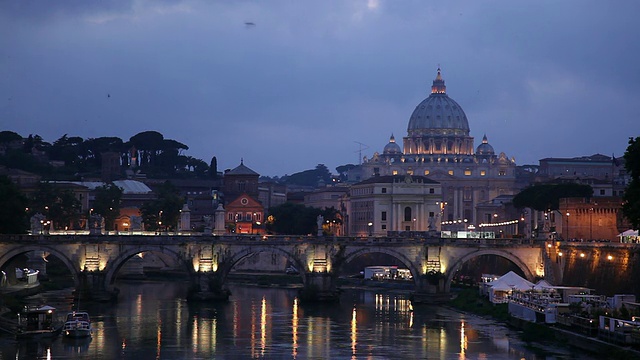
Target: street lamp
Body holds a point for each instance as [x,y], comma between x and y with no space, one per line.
[370,224]
[567,236]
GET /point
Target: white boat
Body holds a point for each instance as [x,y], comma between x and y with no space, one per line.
[37,322]
[77,325]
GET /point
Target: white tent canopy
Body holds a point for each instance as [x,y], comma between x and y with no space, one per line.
[500,288]
[629,232]
[513,281]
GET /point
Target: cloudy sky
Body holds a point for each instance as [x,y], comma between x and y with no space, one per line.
[287,85]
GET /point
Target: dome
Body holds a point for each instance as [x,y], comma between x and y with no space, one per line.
[438,114]
[485,148]
[392,147]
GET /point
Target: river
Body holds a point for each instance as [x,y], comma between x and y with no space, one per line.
[152,320]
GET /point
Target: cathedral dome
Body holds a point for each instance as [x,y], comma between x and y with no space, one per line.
[438,114]
[392,147]
[485,148]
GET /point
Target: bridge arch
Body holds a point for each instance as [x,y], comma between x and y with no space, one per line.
[22,249]
[114,265]
[252,250]
[528,273]
[415,272]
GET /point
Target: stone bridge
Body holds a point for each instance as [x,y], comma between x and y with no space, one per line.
[95,260]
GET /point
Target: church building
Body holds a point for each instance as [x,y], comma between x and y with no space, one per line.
[439,147]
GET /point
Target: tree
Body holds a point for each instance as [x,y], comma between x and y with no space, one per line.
[60,206]
[13,217]
[293,219]
[310,177]
[544,197]
[213,168]
[631,198]
[107,204]
[343,170]
[164,211]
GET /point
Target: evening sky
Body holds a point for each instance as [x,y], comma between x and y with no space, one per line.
[287,85]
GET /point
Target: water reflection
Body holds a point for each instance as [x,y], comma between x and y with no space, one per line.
[151,320]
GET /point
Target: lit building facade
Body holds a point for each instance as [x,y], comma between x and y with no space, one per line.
[394,203]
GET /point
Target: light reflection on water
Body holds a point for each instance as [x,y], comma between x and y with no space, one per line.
[153,321]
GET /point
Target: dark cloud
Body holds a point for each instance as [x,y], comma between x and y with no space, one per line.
[309,80]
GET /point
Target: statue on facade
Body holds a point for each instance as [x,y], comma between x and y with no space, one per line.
[37,225]
[136,223]
[208,224]
[319,222]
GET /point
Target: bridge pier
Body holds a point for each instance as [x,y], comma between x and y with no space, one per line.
[319,287]
[208,286]
[92,287]
[431,289]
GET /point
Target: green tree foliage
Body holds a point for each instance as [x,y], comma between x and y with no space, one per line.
[543,197]
[310,177]
[158,157]
[60,206]
[343,170]
[631,204]
[13,217]
[107,204]
[297,219]
[7,137]
[163,213]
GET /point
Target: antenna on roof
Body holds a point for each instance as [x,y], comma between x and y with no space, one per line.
[360,151]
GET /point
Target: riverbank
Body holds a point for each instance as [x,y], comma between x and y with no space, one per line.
[542,337]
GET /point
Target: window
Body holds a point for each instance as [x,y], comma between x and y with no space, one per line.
[467,172]
[450,172]
[502,173]
[431,214]
[409,172]
[384,190]
[395,172]
[407,213]
[376,170]
[258,217]
[432,191]
[426,172]
[247,216]
[384,227]
[483,173]
[383,216]
[230,217]
[601,191]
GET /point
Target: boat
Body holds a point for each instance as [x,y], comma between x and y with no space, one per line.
[37,322]
[77,325]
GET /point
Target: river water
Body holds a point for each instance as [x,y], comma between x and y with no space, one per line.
[152,320]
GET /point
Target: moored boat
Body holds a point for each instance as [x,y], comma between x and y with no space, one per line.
[37,322]
[77,325]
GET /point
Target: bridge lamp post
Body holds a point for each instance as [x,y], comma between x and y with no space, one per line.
[370,225]
[567,222]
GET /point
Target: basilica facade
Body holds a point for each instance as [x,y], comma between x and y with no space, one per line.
[438,146]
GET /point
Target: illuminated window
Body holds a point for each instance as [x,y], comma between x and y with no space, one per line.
[409,172]
[426,172]
[502,173]
[450,172]
[483,173]
[395,172]
[467,172]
